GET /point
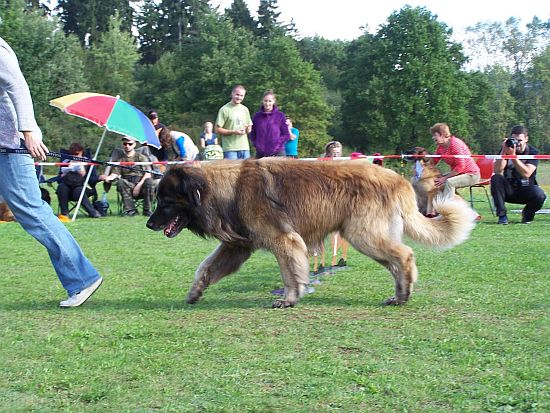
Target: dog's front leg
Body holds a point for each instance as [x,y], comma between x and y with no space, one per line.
[291,253]
[226,259]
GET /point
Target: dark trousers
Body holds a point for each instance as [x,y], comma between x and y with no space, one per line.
[503,191]
[66,193]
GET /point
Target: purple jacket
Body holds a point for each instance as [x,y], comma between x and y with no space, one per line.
[269,132]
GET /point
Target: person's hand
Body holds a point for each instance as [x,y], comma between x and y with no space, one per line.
[240,131]
[440,181]
[35,146]
[508,150]
[102,178]
[136,190]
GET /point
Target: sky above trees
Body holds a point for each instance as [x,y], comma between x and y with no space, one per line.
[313,17]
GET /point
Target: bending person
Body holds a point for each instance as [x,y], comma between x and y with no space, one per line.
[515,180]
[464,171]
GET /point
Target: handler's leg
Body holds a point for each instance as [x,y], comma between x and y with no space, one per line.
[226,259]
[291,253]
[19,186]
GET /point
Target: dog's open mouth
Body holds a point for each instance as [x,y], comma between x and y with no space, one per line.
[174,227]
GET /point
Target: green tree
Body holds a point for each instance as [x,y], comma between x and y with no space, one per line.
[179,21]
[484,123]
[269,25]
[89,18]
[507,52]
[114,53]
[239,14]
[327,57]
[401,80]
[538,96]
[53,65]
[150,33]
[499,109]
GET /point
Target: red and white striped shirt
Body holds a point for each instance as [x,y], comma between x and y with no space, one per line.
[460,165]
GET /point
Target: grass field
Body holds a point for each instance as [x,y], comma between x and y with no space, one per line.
[474,337]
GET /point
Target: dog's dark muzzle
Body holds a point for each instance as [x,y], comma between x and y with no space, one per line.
[152,223]
[412,155]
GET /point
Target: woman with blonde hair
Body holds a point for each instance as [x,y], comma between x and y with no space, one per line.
[208,137]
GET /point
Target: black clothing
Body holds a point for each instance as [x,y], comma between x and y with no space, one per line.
[511,187]
[69,188]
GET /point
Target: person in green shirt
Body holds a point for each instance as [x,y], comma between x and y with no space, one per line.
[233,124]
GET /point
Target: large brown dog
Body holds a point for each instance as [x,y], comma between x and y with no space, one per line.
[289,206]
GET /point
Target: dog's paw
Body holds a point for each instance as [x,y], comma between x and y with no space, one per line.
[282,304]
[193,297]
[394,301]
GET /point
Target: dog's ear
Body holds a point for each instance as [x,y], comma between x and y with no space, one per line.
[191,185]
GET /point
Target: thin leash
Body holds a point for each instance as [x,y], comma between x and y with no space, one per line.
[82,159]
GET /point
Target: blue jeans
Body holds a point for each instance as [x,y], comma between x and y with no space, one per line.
[236,155]
[19,187]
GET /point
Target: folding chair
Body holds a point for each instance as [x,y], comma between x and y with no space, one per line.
[138,202]
[116,155]
[485,171]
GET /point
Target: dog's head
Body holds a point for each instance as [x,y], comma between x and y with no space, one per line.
[179,198]
[418,153]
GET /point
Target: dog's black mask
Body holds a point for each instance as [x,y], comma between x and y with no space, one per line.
[414,154]
[178,199]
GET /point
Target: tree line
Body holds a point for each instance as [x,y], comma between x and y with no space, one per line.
[378,93]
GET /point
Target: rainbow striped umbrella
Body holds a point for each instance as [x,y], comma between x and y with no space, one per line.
[111,112]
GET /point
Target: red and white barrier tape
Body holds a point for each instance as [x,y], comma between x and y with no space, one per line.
[343,158]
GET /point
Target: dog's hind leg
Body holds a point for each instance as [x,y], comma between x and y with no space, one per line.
[392,254]
[226,259]
[402,265]
[291,253]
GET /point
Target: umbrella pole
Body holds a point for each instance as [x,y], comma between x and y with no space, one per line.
[88,177]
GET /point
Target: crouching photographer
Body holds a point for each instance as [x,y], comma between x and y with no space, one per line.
[515,180]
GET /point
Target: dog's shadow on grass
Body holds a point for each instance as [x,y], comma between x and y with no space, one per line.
[214,302]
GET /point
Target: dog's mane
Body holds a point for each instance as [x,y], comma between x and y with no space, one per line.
[218,216]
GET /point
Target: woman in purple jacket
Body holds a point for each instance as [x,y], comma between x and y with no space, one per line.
[269,129]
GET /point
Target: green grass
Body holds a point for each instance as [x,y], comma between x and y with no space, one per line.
[474,337]
[543,173]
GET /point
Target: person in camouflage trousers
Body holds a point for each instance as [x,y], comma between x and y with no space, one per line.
[133,184]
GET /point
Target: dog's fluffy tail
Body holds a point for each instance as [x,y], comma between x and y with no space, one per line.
[452,227]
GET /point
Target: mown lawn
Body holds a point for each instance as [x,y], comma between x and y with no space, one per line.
[474,337]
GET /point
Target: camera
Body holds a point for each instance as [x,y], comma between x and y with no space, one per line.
[511,142]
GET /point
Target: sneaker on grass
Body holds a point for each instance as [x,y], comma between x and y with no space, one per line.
[81,297]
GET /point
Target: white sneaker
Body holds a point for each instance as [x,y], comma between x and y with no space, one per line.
[81,297]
